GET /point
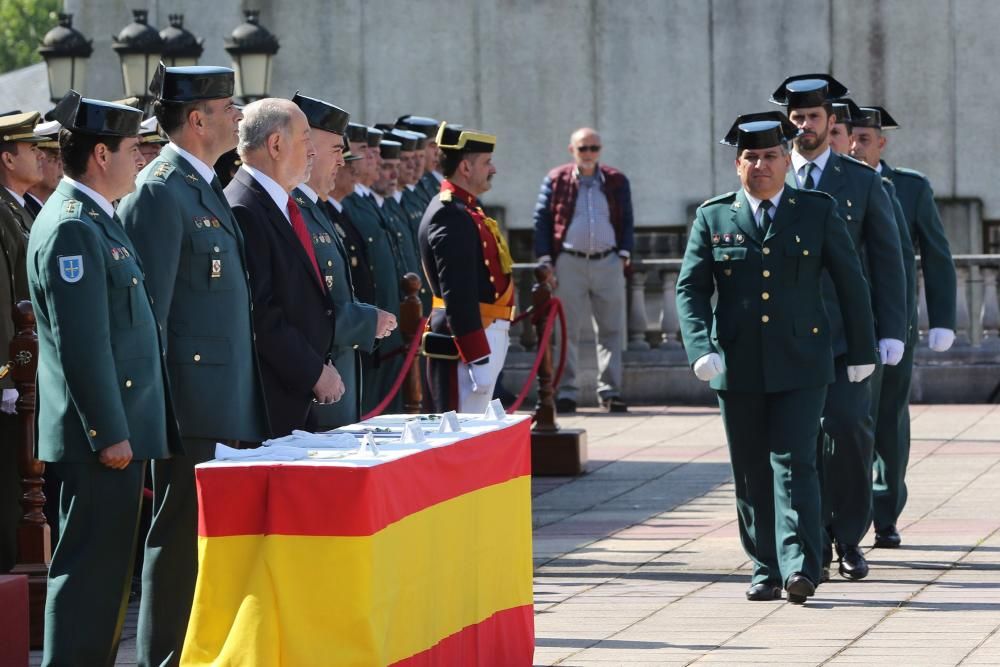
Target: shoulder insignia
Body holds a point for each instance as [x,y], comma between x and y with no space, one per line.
[164,169]
[445,196]
[71,268]
[191,177]
[300,201]
[72,207]
[724,198]
[791,200]
[93,214]
[909,173]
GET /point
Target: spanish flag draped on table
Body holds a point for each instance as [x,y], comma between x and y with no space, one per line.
[414,558]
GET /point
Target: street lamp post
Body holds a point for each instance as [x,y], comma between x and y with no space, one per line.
[180,47]
[140,48]
[66,51]
[252,47]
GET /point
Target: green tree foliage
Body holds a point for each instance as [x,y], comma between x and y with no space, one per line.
[23,23]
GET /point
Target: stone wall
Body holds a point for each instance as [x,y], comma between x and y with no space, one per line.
[662,79]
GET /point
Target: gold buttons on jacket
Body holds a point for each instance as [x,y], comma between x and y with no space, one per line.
[215,248]
[805,252]
[329,262]
[135,281]
[92,433]
[128,383]
[765,319]
[767,274]
[765,296]
[725,257]
[767,251]
[492,279]
[487,262]
[197,357]
[815,330]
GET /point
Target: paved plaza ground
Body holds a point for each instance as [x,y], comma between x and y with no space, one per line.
[639,562]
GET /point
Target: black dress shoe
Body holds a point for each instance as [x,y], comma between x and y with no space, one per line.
[824,575]
[614,404]
[887,538]
[565,406]
[798,588]
[764,591]
[852,562]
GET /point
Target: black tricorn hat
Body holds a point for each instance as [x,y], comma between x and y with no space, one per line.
[760,130]
[87,116]
[422,124]
[457,138]
[407,139]
[846,110]
[389,150]
[808,90]
[374,136]
[876,117]
[356,132]
[192,84]
[385,127]
[322,115]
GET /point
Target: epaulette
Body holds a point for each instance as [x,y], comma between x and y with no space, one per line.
[818,194]
[852,160]
[445,196]
[721,199]
[909,173]
[162,171]
[72,208]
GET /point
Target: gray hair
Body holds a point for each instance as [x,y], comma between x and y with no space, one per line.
[261,119]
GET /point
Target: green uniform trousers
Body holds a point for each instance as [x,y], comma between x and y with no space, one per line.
[892,440]
[10,491]
[846,447]
[772,446]
[170,567]
[91,569]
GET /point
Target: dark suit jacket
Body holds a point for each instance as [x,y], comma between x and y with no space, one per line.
[292,312]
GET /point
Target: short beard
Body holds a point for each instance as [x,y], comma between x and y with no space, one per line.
[811,142]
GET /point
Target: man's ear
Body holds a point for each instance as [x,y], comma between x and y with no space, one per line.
[275,145]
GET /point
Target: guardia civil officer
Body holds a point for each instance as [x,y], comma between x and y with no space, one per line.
[468,267]
[196,273]
[358,325]
[867,210]
[429,183]
[767,346]
[103,400]
[892,427]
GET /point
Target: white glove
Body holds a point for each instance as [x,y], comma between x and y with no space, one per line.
[7,402]
[708,366]
[940,340]
[480,376]
[860,373]
[891,351]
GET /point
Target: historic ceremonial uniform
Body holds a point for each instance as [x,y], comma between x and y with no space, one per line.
[468,268]
[892,430]
[847,422]
[774,338]
[182,226]
[102,380]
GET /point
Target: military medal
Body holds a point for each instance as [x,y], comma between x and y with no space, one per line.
[340,230]
[114,253]
[740,239]
[215,223]
[216,268]
[715,239]
[727,239]
[329,282]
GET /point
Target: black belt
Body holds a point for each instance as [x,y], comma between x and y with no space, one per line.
[589,255]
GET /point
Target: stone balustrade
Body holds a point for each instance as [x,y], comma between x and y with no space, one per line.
[656,365]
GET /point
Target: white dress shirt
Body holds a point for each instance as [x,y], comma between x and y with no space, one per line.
[203,169]
[819,164]
[755,205]
[93,194]
[271,187]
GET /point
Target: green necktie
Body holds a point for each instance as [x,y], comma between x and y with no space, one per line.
[809,183]
[765,217]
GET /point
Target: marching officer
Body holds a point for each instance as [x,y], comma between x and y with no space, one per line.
[468,267]
[196,273]
[892,427]
[767,348]
[103,398]
[359,325]
[849,434]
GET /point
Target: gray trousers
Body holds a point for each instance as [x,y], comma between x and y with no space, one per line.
[597,286]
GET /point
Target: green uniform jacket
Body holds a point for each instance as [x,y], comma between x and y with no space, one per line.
[196,274]
[101,370]
[355,322]
[769,324]
[864,205]
[909,258]
[15,226]
[416,199]
[400,222]
[917,199]
[382,251]
[414,205]
[429,186]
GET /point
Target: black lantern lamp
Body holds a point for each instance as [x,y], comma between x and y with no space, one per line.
[180,47]
[66,51]
[140,48]
[252,47]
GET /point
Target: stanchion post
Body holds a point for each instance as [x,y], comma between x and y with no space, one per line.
[410,314]
[554,451]
[34,549]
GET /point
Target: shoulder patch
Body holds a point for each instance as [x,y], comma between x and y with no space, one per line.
[71,268]
[909,173]
[848,160]
[162,170]
[721,199]
[445,196]
[72,208]
[816,194]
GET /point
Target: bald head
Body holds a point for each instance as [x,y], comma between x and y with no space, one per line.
[585,147]
[275,138]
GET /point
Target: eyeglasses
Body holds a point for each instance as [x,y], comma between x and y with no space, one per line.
[593,148]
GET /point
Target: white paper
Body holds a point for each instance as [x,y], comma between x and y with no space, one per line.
[275,453]
[449,423]
[413,433]
[368,446]
[495,411]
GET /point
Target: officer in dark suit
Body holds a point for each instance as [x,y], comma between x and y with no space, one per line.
[863,204]
[293,313]
[20,169]
[767,346]
[359,325]
[196,273]
[468,267]
[429,182]
[103,400]
[892,428]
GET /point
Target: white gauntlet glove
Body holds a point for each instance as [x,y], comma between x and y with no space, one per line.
[708,366]
[860,373]
[940,340]
[891,351]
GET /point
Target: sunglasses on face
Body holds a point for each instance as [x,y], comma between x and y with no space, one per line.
[593,148]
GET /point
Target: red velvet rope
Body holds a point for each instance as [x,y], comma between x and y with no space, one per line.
[554,308]
[411,354]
